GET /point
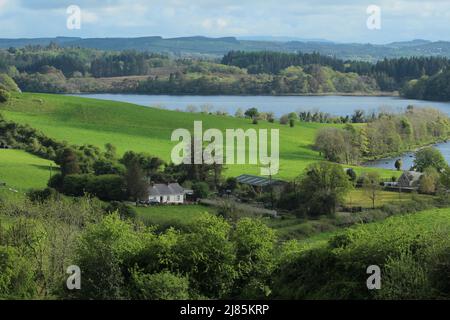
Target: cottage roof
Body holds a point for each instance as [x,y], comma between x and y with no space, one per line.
[412,176]
[166,189]
[409,179]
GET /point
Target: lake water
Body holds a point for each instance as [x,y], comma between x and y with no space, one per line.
[408,158]
[279,105]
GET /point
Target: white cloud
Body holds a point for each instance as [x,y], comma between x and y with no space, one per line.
[214,24]
[88,16]
[343,20]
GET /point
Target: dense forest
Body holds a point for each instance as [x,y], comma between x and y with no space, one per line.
[390,74]
[71,70]
[435,88]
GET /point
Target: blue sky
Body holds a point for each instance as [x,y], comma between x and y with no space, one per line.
[338,20]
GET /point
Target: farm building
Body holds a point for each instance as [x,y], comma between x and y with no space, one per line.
[261,183]
[409,179]
[171,193]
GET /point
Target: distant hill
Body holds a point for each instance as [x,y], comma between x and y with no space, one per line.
[216,47]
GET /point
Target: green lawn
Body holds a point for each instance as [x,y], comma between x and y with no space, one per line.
[359,198]
[176,215]
[131,127]
[21,170]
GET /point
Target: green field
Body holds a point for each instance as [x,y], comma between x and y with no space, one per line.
[131,127]
[21,170]
[171,215]
[358,198]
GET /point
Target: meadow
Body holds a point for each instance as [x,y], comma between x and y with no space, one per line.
[21,170]
[80,120]
[171,215]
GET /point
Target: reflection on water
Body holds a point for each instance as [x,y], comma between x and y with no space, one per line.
[408,158]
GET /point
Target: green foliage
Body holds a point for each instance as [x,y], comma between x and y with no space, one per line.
[255,245]
[207,255]
[102,252]
[106,187]
[384,135]
[8,84]
[124,211]
[16,275]
[429,181]
[136,184]
[42,195]
[5,96]
[429,88]
[201,189]
[409,250]
[352,174]
[159,286]
[398,164]
[323,188]
[372,186]
[252,113]
[429,157]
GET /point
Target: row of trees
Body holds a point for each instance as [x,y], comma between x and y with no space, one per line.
[389,74]
[311,79]
[387,134]
[73,62]
[274,62]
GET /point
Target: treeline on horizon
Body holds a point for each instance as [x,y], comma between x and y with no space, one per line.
[390,74]
[53,69]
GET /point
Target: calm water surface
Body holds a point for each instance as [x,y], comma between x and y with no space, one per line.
[336,105]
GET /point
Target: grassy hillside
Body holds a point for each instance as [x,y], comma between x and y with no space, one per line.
[131,127]
[425,221]
[21,170]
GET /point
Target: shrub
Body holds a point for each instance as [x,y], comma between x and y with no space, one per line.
[124,210]
[284,119]
[159,286]
[4,96]
[7,83]
[106,187]
[42,195]
[201,189]
[16,275]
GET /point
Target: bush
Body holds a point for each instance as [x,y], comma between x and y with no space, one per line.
[201,190]
[7,83]
[16,275]
[106,187]
[42,195]
[159,286]
[284,119]
[125,211]
[4,96]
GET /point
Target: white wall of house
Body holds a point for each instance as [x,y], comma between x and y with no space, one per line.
[177,199]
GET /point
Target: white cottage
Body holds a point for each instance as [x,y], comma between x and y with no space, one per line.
[171,193]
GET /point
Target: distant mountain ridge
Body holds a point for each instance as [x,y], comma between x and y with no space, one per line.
[216,47]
